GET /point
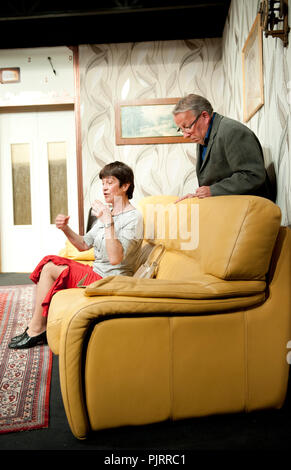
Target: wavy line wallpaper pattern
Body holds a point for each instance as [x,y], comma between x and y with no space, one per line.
[117,72]
[272,122]
[210,67]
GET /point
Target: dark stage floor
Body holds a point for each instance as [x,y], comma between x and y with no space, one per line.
[264,432]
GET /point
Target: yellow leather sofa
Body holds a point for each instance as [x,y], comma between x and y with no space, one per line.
[207,336]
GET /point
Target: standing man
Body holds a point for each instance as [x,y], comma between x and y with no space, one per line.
[229,156]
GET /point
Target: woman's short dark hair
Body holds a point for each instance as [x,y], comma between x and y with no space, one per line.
[122,172]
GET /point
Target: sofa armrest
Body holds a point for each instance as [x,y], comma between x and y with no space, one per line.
[204,287]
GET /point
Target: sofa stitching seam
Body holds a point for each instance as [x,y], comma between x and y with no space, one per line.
[236,239]
[171,391]
[246,394]
[72,424]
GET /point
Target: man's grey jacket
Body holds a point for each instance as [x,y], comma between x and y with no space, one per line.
[234,161]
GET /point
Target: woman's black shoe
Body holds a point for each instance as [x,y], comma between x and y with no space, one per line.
[28,341]
[15,339]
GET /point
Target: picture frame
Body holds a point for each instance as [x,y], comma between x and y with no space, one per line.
[252,69]
[142,122]
[10,75]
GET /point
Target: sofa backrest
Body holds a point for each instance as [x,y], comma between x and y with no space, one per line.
[230,237]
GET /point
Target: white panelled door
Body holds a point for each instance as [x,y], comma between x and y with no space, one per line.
[38,180]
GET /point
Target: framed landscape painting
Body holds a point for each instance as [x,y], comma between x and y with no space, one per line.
[252,66]
[147,122]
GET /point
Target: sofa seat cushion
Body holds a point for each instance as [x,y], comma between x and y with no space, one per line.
[176,265]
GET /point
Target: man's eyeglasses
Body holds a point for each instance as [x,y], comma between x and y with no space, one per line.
[187,129]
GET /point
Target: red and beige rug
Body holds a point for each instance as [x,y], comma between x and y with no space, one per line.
[25,375]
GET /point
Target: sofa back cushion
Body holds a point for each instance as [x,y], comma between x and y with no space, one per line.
[241,236]
[230,237]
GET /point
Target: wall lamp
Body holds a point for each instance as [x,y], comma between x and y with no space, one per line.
[274,19]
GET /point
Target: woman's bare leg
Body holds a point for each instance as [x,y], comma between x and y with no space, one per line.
[50,272]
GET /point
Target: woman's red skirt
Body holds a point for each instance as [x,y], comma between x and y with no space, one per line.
[68,278]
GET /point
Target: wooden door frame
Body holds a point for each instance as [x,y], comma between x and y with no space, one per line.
[79,158]
[63,105]
[57,106]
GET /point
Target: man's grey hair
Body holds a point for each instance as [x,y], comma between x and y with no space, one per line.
[195,103]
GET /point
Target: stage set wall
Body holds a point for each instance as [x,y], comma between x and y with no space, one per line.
[112,73]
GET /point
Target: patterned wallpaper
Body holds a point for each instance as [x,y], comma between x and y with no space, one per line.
[117,72]
[210,67]
[272,122]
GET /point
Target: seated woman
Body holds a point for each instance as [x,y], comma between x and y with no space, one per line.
[116,237]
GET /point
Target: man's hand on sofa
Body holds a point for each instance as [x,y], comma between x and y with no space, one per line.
[185,197]
[203,191]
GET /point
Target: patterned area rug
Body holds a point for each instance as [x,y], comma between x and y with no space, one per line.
[25,375]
